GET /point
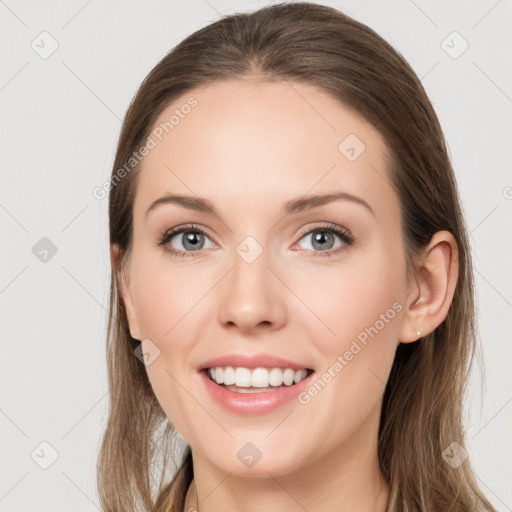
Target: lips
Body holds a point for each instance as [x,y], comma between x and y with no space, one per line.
[249,402]
[264,393]
[253,361]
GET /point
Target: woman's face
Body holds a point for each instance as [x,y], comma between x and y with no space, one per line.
[268,275]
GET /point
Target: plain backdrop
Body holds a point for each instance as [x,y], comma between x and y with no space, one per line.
[68,72]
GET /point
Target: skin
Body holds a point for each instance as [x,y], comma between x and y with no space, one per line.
[249,147]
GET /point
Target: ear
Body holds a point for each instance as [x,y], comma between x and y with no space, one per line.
[431,291]
[124,289]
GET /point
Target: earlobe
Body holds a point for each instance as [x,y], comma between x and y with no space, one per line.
[433,288]
[124,290]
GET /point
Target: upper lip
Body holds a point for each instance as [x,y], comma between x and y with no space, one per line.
[252,361]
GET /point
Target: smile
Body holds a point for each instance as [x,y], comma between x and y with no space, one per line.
[239,394]
[257,380]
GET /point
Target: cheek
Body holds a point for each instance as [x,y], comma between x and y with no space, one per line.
[170,302]
[361,303]
[350,297]
[166,294]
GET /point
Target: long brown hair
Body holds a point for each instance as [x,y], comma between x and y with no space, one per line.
[422,409]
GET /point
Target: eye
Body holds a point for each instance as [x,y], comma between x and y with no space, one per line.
[184,240]
[322,240]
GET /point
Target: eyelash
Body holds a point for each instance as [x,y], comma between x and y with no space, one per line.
[345,236]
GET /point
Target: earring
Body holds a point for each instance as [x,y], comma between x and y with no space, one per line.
[418,333]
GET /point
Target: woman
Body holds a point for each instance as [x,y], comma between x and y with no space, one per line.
[291,314]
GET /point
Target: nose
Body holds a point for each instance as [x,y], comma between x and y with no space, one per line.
[251,298]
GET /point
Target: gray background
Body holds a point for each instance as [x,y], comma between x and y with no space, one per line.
[61,119]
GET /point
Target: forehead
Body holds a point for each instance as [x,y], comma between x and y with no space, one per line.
[265,140]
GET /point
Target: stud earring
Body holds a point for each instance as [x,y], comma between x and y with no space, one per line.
[418,333]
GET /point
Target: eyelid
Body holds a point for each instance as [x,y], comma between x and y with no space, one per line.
[328,226]
[186,227]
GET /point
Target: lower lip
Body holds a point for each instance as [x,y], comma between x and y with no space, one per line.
[252,404]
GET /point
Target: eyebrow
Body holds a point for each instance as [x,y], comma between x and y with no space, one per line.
[300,204]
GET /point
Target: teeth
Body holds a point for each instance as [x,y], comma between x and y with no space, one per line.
[219,376]
[229,375]
[242,377]
[257,378]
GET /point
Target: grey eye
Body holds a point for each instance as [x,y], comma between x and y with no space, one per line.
[322,240]
[190,240]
